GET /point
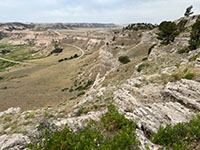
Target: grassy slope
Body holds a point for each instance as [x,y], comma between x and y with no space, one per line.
[39,84]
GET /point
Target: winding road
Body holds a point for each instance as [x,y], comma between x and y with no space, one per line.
[15,62]
[82,51]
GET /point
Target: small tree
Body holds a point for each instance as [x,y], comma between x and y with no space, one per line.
[124,59]
[195,36]
[188,11]
[168,32]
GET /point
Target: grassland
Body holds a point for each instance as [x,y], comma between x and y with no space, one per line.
[39,84]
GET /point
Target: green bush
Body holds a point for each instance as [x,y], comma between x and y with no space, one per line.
[184,50]
[80,94]
[85,87]
[124,59]
[189,76]
[194,42]
[142,66]
[57,50]
[71,90]
[80,111]
[179,137]
[145,58]
[151,48]
[168,32]
[89,83]
[114,131]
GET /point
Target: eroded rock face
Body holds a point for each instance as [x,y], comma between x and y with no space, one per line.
[13,142]
[156,53]
[186,91]
[151,117]
[151,106]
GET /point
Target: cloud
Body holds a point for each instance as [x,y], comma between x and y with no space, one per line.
[117,11]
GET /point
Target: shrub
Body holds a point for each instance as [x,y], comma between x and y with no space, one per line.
[168,32]
[124,59]
[189,76]
[180,136]
[176,76]
[1,78]
[65,89]
[181,25]
[76,56]
[71,90]
[194,42]
[79,94]
[150,49]
[145,58]
[89,83]
[113,131]
[184,50]
[60,60]
[142,66]
[85,87]
[80,111]
[137,85]
[79,88]
[57,50]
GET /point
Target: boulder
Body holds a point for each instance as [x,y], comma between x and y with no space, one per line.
[13,142]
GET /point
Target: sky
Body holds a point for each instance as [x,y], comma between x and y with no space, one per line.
[94,11]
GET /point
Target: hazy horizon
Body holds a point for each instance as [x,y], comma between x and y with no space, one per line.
[94,11]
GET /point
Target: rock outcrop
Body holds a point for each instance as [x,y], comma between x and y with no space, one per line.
[186,92]
[10,111]
[13,142]
[151,117]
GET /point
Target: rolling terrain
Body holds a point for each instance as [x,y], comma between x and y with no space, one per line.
[95,72]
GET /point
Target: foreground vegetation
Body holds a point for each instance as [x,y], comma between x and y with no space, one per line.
[114,131]
[183,136]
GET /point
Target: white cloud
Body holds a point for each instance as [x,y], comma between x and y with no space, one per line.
[117,11]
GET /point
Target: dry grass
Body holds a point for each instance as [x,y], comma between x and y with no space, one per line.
[40,84]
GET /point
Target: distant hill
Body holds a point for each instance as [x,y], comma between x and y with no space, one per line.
[140,26]
[21,26]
